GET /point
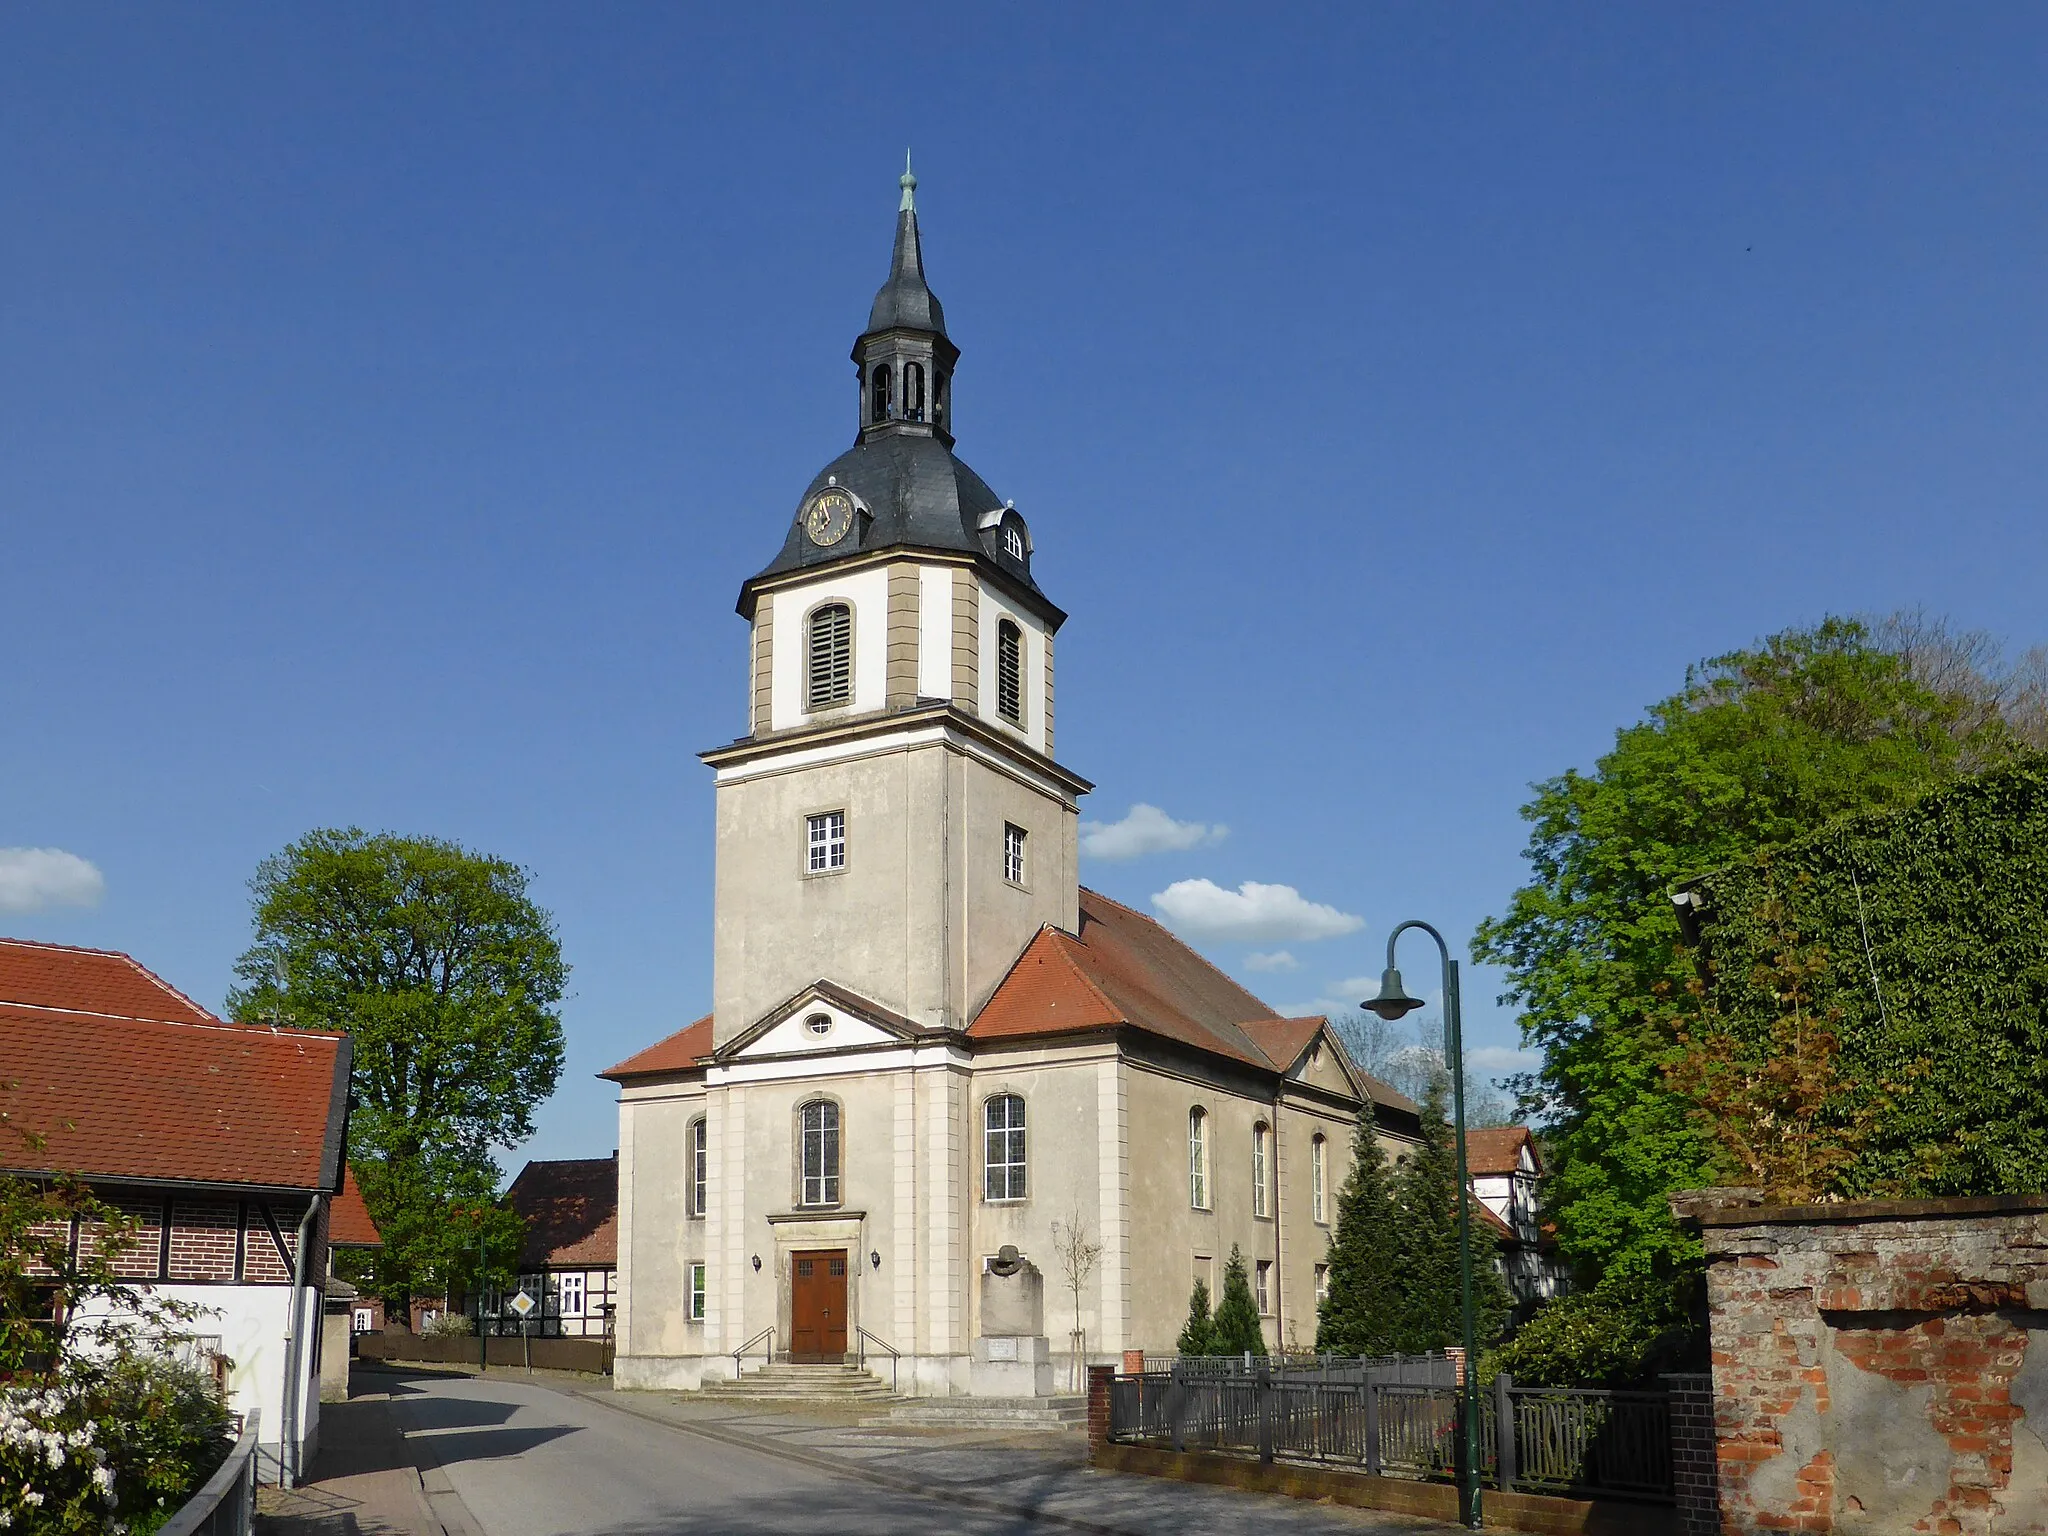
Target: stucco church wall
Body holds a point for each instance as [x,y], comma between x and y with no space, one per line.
[1061,1089]
[881,925]
[661,1238]
[866,592]
[1168,1232]
[779,928]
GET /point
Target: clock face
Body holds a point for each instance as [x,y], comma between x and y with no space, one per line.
[828,517]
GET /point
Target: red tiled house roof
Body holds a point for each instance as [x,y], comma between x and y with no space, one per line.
[1498,1151]
[123,1077]
[688,1047]
[349,1224]
[571,1206]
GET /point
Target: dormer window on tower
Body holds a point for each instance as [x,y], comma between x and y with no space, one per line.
[828,657]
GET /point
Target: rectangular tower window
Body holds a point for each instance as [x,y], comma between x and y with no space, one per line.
[1013,854]
[825,842]
[1262,1286]
[697,1293]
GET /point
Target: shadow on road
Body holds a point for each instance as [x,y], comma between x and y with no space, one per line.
[806,1514]
[459,1445]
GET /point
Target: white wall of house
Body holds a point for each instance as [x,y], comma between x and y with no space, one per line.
[252,1324]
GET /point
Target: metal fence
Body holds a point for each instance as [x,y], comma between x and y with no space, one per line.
[226,1506]
[1433,1369]
[1562,1440]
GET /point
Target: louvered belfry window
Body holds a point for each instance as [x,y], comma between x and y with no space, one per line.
[831,657]
[1010,672]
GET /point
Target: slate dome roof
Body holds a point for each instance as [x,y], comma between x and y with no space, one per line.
[918,495]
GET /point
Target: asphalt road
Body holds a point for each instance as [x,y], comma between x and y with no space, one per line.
[526,1460]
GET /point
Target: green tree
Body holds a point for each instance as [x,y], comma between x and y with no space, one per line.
[1758,747]
[1425,1256]
[448,978]
[1198,1336]
[1237,1314]
[1360,1310]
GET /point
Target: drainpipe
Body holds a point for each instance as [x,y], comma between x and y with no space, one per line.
[288,1468]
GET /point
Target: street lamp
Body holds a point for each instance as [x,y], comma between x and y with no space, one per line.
[1391,1003]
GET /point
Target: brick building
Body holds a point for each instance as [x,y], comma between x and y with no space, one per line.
[225,1141]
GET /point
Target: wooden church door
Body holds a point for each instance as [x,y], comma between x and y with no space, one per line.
[817,1306]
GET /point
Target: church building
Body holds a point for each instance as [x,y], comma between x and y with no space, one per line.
[932,1056]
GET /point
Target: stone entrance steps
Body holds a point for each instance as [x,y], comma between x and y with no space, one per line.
[815,1383]
[986,1412]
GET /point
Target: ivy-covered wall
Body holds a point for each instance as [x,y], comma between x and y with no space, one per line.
[1933,924]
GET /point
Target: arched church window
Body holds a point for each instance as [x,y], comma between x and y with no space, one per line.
[1198,1159]
[1010,672]
[1013,542]
[700,1168]
[913,391]
[818,1151]
[1003,1140]
[1262,1165]
[1318,1178]
[878,393]
[939,401]
[829,657]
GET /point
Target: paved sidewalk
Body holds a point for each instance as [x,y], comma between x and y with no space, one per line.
[1039,1475]
[363,1481]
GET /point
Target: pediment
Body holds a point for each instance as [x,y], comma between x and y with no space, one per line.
[822,1019]
[1322,1066]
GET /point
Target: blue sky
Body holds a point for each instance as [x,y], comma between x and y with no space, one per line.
[393,399]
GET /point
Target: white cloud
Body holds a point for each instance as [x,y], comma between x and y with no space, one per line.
[1501,1058]
[1145,829]
[1356,988]
[1277,960]
[1253,913]
[33,878]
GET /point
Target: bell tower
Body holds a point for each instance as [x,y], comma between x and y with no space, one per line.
[894,821]
[904,358]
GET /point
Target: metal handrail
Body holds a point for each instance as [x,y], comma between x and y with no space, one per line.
[226,1506]
[767,1359]
[866,1339]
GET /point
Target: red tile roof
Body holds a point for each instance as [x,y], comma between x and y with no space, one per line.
[1498,1150]
[1125,969]
[90,981]
[348,1221]
[686,1048]
[571,1208]
[124,1077]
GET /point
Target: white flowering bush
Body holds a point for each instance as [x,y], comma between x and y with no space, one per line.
[100,1430]
[107,1444]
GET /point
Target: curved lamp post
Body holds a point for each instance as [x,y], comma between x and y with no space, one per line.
[1393,1002]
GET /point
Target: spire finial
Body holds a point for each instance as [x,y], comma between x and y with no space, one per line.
[908,183]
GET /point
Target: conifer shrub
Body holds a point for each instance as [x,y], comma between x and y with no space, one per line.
[1198,1337]
[1237,1314]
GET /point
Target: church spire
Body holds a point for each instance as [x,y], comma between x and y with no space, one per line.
[905,357]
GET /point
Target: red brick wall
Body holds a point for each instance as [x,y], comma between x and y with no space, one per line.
[203,1238]
[1875,1367]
